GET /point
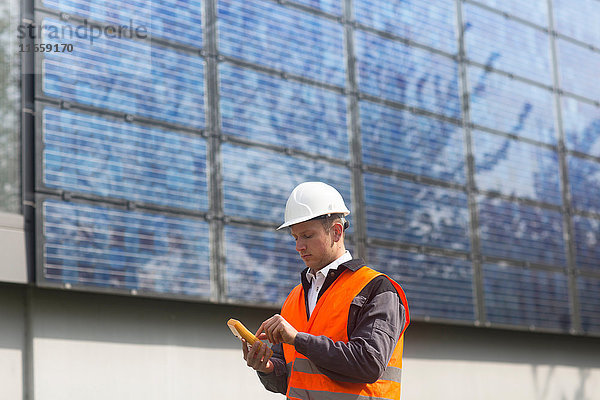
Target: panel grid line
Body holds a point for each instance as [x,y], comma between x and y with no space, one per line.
[568,231]
[479,300]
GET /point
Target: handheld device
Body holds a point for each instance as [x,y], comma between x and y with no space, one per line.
[241,332]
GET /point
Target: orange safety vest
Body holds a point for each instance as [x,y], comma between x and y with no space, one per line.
[330,318]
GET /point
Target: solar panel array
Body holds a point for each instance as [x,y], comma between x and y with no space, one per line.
[464,136]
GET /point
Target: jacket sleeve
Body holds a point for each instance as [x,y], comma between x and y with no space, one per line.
[379,320]
[276,381]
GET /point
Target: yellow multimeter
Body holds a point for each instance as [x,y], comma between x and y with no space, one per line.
[241,332]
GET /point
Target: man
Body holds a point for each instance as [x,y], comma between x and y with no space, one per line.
[340,333]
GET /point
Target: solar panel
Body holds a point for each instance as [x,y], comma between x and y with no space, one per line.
[516,168]
[581,123]
[587,243]
[584,179]
[154,18]
[521,232]
[413,213]
[432,23]
[269,34]
[505,44]
[261,266]
[128,76]
[535,11]
[578,22]
[258,182]
[408,75]
[112,158]
[579,68]
[96,246]
[589,303]
[158,18]
[272,110]
[525,297]
[435,286]
[402,141]
[329,6]
[511,106]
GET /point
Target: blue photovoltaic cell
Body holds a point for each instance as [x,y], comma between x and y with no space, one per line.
[507,45]
[413,213]
[91,154]
[408,75]
[516,168]
[128,76]
[432,23]
[584,179]
[589,303]
[512,106]
[435,286]
[152,18]
[525,297]
[272,110]
[587,243]
[261,266]
[284,38]
[399,140]
[521,232]
[328,6]
[101,247]
[581,122]
[535,11]
[579,68]
[257,183]
[578,20]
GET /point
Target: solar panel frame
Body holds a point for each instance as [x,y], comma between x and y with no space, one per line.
[507,45]
[138,165]
[516,168]
[508,105]
[588,288]
[124,85]
[446,280]
[148,287]
[525,297]
[399,18]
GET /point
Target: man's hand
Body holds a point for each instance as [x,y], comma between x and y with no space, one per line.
[277,330]
[256,357]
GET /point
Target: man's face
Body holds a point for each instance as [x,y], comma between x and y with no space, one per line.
[314,244]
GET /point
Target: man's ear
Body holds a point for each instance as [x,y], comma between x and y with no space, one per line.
[338,230]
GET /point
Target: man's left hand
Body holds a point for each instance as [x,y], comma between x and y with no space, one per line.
[277,330]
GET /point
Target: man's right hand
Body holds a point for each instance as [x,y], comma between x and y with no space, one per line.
[256,357]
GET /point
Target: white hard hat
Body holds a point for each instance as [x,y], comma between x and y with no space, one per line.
[309,200]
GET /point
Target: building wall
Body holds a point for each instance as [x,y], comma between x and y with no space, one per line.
[97,346]
[13,266]
[12,341]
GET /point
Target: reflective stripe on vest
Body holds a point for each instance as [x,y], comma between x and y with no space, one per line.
[295,393]
[306,366]
[305,381]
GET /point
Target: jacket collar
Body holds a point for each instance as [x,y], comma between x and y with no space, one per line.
[353,265]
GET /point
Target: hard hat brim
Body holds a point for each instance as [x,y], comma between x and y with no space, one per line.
[308,218]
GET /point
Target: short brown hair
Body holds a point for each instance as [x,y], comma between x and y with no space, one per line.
[328,220]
